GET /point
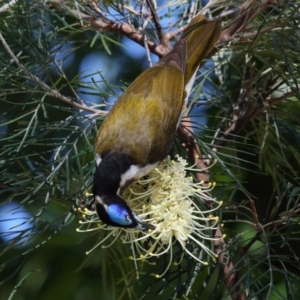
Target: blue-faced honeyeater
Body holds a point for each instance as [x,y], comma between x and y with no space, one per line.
[139,130]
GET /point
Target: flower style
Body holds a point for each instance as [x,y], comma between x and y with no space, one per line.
[171,201]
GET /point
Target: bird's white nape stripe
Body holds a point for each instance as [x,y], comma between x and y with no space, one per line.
[136,172]
[98,159]
[100,201]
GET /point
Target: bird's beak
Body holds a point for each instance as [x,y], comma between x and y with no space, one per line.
[142,225]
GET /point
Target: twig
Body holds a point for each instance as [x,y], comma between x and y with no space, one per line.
[146,44]
[231,276]
[103,23]
[192,148]
[244,117]
[128,31]
[132,10]
[51,91]
[162,37]
[171,35]
[247,13]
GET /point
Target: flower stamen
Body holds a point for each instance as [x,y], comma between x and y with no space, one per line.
[173,202]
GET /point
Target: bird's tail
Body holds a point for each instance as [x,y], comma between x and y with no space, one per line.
[200,36]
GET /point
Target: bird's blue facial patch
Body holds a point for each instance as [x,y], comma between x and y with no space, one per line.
[119,214]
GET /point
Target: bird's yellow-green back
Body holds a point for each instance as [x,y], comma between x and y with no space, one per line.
[144,119]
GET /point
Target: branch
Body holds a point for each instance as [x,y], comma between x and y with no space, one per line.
[231,276]
[247,13]
[243,116]
[128,31]
[164,41]
[100,22]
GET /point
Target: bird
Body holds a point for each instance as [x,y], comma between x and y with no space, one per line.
[139,130]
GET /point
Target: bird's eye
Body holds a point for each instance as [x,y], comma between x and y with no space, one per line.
[119,215]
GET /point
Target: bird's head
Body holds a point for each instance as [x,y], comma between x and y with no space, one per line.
[113,210]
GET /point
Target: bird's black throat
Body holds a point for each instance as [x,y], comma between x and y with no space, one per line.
[108,173]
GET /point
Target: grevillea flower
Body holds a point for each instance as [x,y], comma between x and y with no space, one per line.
[169,199]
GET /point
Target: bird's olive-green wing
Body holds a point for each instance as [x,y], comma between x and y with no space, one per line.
[143,120]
